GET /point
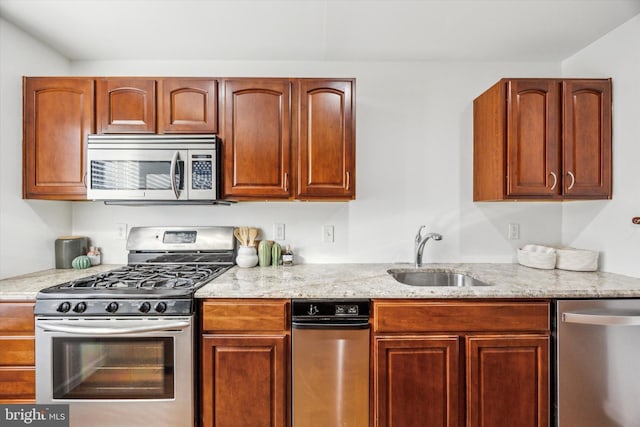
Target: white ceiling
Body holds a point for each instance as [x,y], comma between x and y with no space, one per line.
[307,30]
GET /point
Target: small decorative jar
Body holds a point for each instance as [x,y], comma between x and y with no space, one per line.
[94,255]
[247,257]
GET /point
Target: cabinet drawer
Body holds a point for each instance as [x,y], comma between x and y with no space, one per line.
[17,318]
[17,351]
[460,316]
[245,315]
[18,384]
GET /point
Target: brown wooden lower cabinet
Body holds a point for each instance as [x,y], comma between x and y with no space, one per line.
[417,381]
[244,378]
[507,381]
[18,385]
[244,381]
[17,353]
[448,364]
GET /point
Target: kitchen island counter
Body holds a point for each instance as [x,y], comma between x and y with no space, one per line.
[373,281]
[367,281]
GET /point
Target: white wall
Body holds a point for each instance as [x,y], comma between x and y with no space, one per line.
[414,166]
[27,228]
[606,226]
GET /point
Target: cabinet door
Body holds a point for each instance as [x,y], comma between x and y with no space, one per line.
[533,137]
[508,381]
[126,105]
[17,357]
[587,138]
[188,106]
[417,382]
[58,116]
[257,138]
[244,381]
[326,139]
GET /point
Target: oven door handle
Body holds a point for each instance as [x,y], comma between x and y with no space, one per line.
[602,319]
[98,330]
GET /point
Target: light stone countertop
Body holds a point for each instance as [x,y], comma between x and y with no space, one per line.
[373,281]
[26,286]
[367,281]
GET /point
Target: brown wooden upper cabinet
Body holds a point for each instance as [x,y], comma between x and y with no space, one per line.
[326,139]
[58,116]
[188,105]
[543,139]
[170,105]
[275,148]
[126,105]
[257,138]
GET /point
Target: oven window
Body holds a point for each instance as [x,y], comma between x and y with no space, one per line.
[135,175]
[113,368]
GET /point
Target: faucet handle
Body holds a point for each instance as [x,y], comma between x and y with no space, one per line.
[419,234]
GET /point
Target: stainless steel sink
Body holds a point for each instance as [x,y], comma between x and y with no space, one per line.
[434,278]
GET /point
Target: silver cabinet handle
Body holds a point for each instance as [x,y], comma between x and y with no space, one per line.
[601,319]
[555,180]
[348,180]
[172,174]
[573,180]
[286,182]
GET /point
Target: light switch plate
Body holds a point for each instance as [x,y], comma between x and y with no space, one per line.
[278,231]
[327,234]
[514,231]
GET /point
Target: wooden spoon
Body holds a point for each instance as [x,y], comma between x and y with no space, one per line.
[244,232]
[236,233]
[253,233]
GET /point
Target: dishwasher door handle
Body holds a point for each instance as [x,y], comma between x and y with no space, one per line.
[602,319]
[338,326]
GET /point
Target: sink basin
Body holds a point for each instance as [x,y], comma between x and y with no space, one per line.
[434,278]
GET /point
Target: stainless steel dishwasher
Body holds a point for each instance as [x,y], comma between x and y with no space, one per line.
[598,375]
[330,363]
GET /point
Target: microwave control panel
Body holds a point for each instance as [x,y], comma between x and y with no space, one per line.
[202,172]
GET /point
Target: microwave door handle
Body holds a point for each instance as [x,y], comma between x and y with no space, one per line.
[172,176]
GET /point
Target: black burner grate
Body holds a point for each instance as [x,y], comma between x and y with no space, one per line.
[149,276]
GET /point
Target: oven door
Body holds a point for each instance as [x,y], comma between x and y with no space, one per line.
[137,174]
[115,372]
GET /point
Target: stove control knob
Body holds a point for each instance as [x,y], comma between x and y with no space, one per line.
[161,307]
[80,307]
[112,307]
[64,307]
[144,307]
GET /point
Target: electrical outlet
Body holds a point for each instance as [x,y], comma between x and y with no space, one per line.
[514,231]
[121,231]
[327,234]
[278,231]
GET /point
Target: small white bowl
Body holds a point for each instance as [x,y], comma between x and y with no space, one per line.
[537,256]
[577,259]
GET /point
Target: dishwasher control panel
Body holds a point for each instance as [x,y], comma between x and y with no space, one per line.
[329,309]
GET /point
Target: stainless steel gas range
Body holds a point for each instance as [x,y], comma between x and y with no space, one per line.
[118,346]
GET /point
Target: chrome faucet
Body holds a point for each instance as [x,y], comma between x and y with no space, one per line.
[420,242]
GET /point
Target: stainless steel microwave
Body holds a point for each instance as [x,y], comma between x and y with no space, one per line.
[152,168]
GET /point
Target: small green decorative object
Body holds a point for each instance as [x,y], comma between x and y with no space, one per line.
[264,253]
[81,262]
[276,254]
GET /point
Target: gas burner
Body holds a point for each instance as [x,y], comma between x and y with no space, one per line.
[165,264]
[148,276]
